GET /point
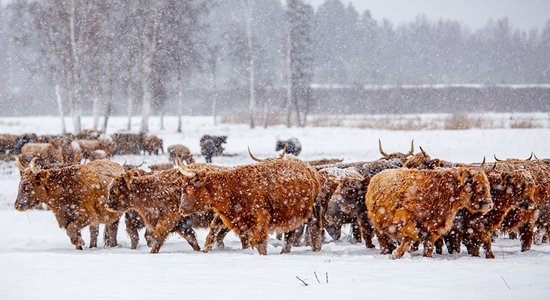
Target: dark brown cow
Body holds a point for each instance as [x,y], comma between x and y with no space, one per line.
[410,205]
[155,197]
[151,144]
[161,167]
[509,190]
[181,152]
[8,143]
[274,195]
[76,196]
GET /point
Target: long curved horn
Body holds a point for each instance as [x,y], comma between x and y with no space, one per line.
[423,152]
[495,156]
[412,148]
[19,164]
[280,156]
[184,170]
[35,170]
[380,149]
[531,156]
[482,163]
[536,156]
[254,157]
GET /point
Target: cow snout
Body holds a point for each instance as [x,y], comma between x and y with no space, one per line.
[21,205]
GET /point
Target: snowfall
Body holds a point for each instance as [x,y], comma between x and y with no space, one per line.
[37,260]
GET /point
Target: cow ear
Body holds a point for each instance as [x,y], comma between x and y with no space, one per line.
[128,177]
[463,175]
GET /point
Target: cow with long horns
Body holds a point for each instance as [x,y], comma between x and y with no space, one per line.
[76,195]
[253,200]
[397,155]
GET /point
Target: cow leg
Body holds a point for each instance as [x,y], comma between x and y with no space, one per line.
[486,242]
[73,231]
[409,234]
[220,236]
[214,228]
[314,233]
[386,244]
[355,233]
[334,231]
[189,235]
[132,231]
[299,233]
[439,245]
[94,232]
[156,242]
[429,246]
[290,239]
[149,238]
[526,236]
[110,232]
[366,229]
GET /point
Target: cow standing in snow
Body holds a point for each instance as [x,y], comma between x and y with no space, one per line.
[76,195]
[407,205]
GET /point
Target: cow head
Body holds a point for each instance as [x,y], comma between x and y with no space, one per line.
[120,192]
[401,156]
[194,194]
[32,189]
[476,188]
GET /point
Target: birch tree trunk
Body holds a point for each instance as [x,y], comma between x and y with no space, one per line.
[75,71]
[109,104]
[60,107]
[180,102]
[148,45]
[248,8]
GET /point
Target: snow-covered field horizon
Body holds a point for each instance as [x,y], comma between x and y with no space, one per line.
[37,260]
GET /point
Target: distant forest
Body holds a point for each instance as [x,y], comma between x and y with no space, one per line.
[90,57]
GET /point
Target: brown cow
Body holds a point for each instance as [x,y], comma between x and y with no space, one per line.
[252,200]
[155,197]
[151,144]
[70,150]
[181,152]
[89,148]
[76,196]
[509,190]
[161,167]
[409,205]
[8,143]
[46,155]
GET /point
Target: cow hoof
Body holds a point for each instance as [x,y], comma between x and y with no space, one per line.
[489,255]
[78,247]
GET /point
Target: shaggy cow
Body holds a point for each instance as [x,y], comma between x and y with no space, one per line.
[89,148]
[252,200]
[45,155]
[151,144]
[76,196]
[509,190]
[211,145]
[181,152]
[409,205]
[155,197]
[291,146]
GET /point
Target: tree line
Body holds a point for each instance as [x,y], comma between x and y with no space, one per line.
[107,56]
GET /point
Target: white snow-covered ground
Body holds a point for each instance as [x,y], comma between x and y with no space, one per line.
[37,260]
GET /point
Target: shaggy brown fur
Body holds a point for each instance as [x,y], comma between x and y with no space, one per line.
[151,144]
[155,197]
[161,167]
[46,154]
[409,205]
[252,200]
[76,196]
[509,190]
[89,146]
[181,152]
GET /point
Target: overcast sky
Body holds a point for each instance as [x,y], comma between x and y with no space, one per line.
[523,14]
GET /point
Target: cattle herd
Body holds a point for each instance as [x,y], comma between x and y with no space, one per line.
[404,199]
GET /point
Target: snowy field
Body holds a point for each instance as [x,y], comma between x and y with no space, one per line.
[37,260]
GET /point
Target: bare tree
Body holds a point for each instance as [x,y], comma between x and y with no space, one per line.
[248,7]
[299,60]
